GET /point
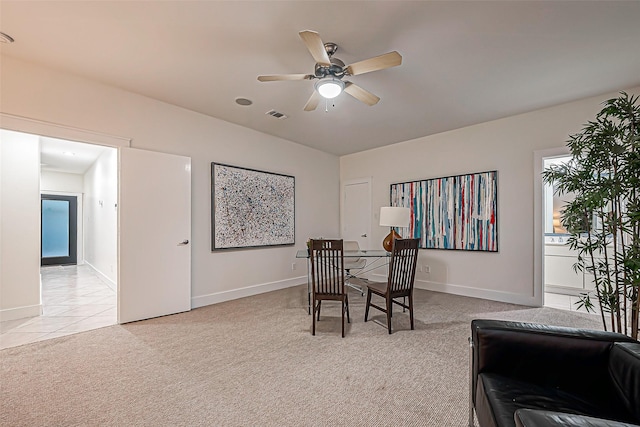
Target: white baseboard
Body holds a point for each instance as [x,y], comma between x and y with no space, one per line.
[110,283]
[217,297]
[508,297]
[20,312]
[466,291]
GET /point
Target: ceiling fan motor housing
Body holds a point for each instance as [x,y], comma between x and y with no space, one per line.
[336,69]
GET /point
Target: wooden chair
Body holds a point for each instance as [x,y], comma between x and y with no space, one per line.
[399,284]
[327,277]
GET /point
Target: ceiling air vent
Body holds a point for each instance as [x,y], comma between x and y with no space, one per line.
[276,114]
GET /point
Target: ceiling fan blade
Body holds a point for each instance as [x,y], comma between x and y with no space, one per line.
[313,102]
[279,77]
[360,94]
[316,47]
[381,62]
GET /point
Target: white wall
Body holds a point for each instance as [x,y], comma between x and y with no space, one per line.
[20,226]
[61,182]
[79,103]
[505,145]
[101,216]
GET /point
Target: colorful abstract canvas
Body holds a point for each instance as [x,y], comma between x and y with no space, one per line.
[251,208]
[455,212]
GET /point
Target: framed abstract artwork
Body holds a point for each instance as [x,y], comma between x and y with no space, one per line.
[251,208]
[454,212]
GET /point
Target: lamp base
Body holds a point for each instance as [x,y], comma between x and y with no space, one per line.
[387,243]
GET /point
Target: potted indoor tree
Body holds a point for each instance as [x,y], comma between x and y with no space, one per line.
[603,220]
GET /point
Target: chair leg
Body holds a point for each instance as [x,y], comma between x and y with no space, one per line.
[319,304]
[366,310]
[346,301]
[411,310]
[313,322]
[389,312]
[343,310]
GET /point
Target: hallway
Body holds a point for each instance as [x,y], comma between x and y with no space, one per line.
[74,299]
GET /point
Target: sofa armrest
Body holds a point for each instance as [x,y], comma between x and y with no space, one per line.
[539,418]
[565,358]
[624,367]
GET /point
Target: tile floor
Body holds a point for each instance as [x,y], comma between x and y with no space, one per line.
[566,302]
[74,299]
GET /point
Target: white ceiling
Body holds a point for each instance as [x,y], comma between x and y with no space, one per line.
[463,62]
[58,155]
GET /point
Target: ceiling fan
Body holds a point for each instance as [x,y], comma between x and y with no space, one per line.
[330,72]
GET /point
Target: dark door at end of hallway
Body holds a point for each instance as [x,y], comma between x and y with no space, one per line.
[59,225]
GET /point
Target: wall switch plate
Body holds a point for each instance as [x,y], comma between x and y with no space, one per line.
[427,269]
[293,266]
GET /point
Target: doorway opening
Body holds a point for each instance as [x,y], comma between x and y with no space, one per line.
[129,222]
[563,285]
[77,188]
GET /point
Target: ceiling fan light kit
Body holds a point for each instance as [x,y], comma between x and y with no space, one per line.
[329,87]
[330,71]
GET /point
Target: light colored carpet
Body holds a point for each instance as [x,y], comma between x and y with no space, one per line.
[253,362]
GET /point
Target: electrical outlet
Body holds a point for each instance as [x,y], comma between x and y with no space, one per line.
[293,266]
[427,269]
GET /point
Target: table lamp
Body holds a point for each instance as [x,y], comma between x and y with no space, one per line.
[393,216]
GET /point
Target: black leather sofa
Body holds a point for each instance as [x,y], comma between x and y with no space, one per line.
[530,375]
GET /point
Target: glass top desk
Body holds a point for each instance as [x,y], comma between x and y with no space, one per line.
[379,258]
[370,253]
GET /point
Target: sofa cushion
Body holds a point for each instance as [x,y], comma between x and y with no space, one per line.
[537,418]
[499,396]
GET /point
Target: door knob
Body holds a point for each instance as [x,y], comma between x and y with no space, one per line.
[363,235]
[184,242]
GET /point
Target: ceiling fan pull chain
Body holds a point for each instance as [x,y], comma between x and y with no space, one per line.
[326,105]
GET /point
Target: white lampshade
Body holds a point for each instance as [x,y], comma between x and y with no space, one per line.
[394,216]
[329,87]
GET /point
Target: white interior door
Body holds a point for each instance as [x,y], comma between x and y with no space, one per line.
[356,223]
[154,225]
